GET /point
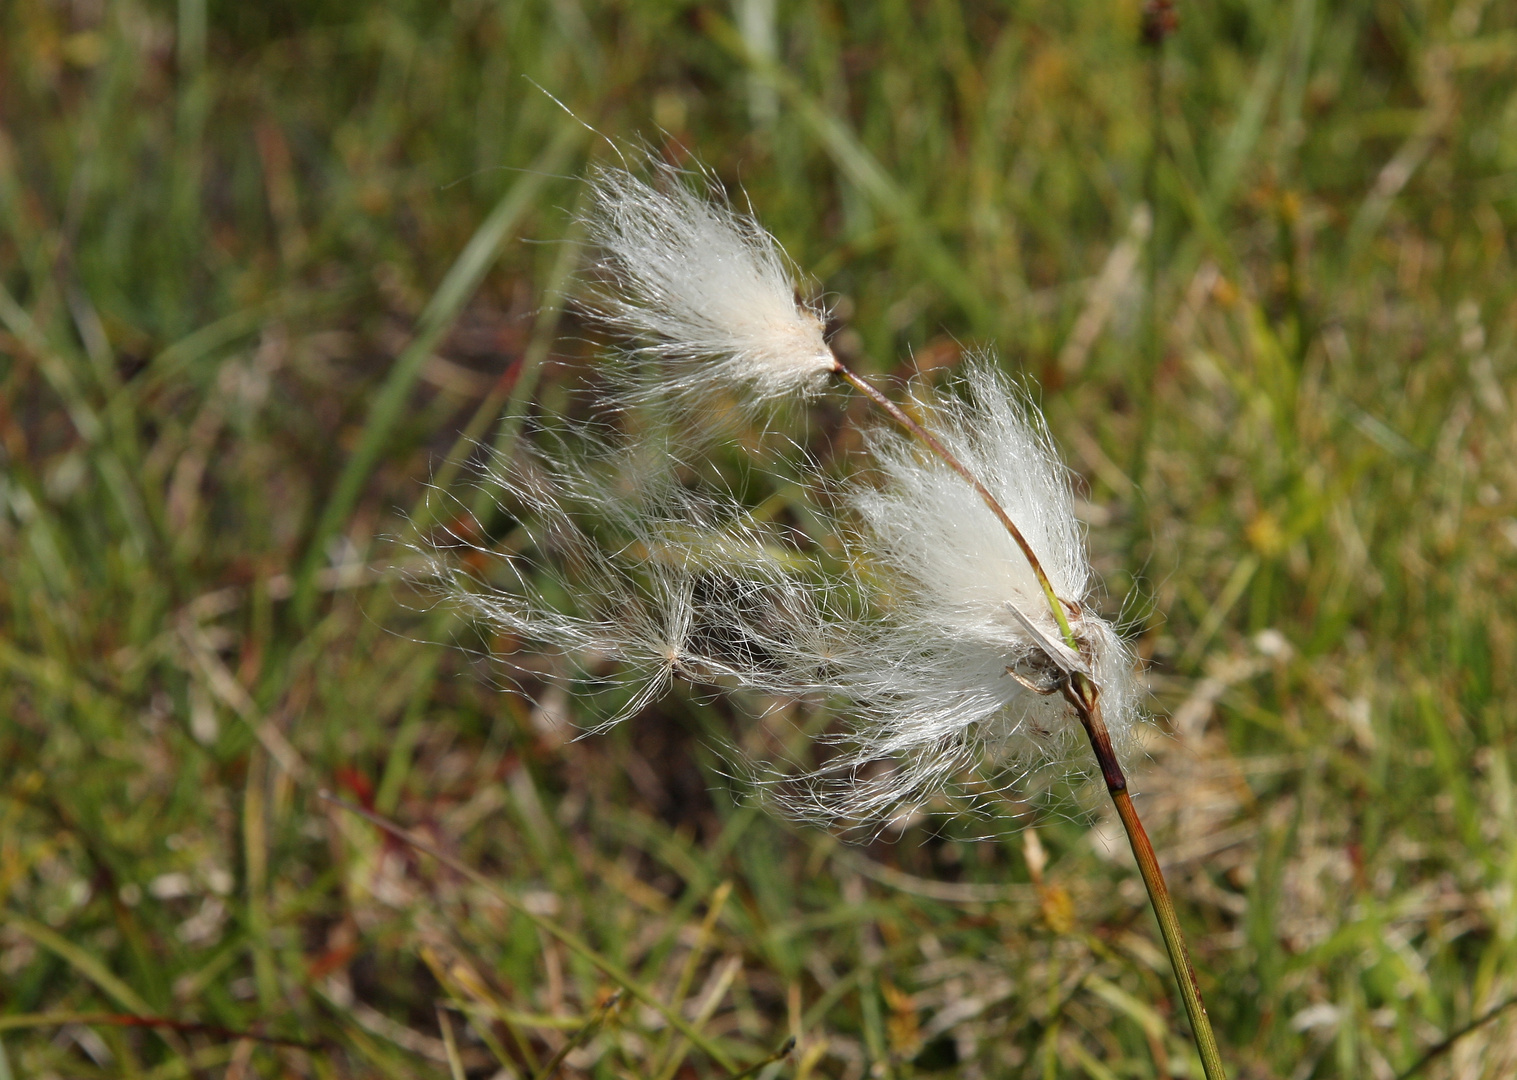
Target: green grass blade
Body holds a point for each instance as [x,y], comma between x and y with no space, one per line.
[452,294]
[865,172]
[569,939]
[80,960]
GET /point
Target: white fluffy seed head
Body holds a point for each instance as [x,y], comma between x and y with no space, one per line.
[941,684]
[620,579]
[925,522]
[703,289]
[634,578]
[930,643]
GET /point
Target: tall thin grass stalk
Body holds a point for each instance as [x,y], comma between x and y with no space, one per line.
[1159,22]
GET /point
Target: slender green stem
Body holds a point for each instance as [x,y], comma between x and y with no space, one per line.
[753,1070]
[1159,22]
[1174,937]
[1083,695]
[1153,332]
[589,1028]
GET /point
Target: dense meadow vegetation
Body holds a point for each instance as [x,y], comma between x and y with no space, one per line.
[272,274]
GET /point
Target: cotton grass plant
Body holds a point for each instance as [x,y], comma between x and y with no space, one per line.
[957,638]
[704,291]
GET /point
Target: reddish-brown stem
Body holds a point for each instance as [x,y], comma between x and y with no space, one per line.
[1083,695]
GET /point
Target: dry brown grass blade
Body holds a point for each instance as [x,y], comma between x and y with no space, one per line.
[1438,1050]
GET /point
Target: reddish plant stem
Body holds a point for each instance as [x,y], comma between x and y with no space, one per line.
[1083,695]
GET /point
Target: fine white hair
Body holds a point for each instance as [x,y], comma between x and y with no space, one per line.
[929,641]
[947,677]
[617,579]
[701,289]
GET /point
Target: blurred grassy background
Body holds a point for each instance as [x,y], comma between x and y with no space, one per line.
[264,265]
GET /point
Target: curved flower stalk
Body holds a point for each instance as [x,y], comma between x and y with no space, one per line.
[963,638]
